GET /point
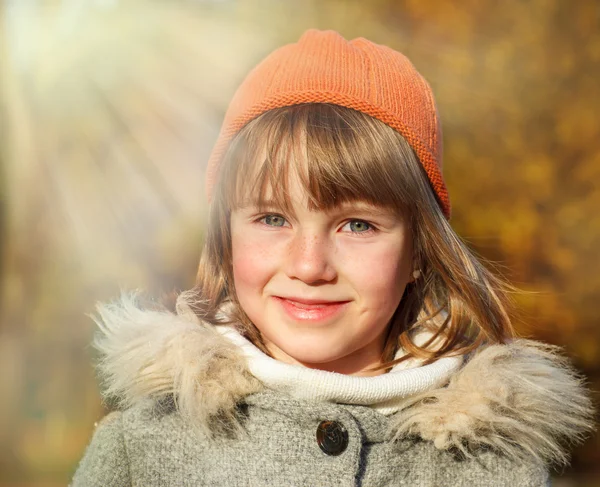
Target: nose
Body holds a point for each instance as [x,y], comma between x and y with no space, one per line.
[309,258]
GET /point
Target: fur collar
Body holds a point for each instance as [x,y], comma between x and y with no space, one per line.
[523,399]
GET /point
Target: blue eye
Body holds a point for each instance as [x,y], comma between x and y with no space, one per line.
[273,220]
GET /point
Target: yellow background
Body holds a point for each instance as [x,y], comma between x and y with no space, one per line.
[109,110]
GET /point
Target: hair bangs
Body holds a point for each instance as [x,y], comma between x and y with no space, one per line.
[336,154]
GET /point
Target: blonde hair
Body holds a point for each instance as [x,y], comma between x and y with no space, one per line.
[342,155]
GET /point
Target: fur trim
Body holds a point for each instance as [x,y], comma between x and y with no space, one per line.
[523,399]
[161,355]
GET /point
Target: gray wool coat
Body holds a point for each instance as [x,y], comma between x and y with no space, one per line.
[193,415]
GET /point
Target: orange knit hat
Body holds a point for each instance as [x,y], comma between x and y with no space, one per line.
[323,67]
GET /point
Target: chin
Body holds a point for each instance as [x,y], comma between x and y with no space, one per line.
[315,357]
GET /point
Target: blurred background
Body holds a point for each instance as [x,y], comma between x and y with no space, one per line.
[109,108]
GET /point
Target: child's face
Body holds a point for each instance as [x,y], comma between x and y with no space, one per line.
[357,256]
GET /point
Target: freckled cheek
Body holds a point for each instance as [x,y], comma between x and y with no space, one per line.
[253,263]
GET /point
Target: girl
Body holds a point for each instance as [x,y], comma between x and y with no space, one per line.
[339,333]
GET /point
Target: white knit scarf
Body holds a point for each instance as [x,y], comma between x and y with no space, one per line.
[382,392]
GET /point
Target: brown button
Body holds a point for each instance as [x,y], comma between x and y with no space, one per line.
[332,437]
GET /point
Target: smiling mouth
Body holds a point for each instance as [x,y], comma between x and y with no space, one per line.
[311,312]
[310,304]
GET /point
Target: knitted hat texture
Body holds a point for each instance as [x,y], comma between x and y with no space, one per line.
[323,67]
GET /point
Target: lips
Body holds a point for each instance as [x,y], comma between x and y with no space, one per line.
[310,306]
[310,310]
[309,302]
